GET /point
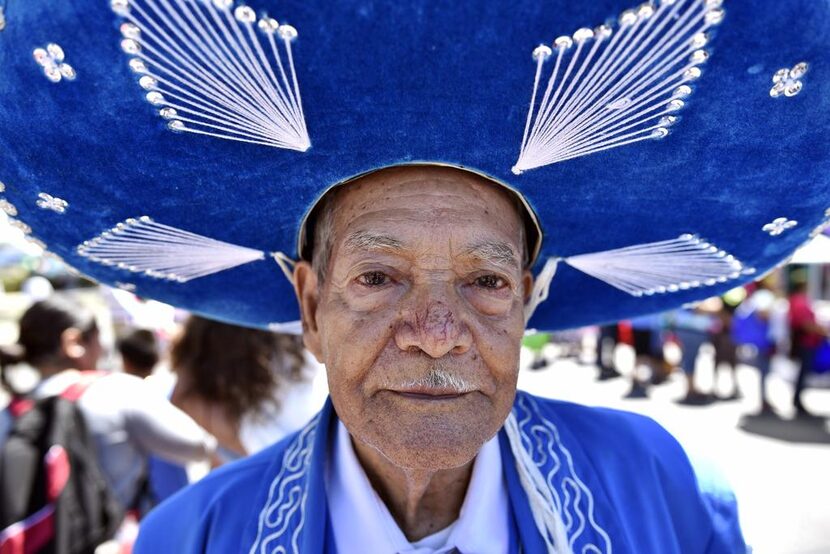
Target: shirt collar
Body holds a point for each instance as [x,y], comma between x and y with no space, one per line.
[362,522]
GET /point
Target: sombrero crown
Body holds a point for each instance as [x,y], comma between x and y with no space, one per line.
[669,150]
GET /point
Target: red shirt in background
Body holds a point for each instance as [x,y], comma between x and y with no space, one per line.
[802,317]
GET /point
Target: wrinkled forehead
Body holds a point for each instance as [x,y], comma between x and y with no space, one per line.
[416,202]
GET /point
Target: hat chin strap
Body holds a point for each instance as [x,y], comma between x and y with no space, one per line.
[286,265]
[541,286]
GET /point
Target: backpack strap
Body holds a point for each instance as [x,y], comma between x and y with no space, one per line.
[19,405]
[74,391]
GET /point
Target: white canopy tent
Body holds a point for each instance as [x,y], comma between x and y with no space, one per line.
[817,251]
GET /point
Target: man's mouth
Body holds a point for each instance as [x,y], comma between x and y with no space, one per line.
[430,393]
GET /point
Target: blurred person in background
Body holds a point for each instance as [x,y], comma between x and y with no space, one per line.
[536,343]
[139,352]
[806,336]
[606,343]
[248,387]
[692,328]
[127,420]
[726,351]
[648,348]
[752,328]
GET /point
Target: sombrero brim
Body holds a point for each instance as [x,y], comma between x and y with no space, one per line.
[743,176]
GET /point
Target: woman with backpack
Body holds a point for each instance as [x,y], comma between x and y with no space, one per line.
[125,419]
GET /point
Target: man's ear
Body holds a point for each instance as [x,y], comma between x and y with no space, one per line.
[72,344]
[308,296]
[527,285]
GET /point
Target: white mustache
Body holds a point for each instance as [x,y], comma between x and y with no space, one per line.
[439,379]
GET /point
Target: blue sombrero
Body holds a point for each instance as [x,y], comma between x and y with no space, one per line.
[668,151]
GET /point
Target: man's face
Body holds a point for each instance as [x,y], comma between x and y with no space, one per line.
[419,318]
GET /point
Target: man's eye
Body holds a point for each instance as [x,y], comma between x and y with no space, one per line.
[490,282]
[373,279]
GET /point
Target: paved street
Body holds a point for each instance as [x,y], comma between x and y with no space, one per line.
[779,468]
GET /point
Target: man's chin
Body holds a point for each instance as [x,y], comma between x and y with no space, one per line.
[434,456]
[431,442]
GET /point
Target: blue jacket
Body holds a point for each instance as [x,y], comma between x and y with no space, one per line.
[620,481]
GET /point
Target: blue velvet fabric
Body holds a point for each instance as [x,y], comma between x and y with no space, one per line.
[392,82]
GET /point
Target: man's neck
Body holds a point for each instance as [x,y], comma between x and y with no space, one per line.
[422,501]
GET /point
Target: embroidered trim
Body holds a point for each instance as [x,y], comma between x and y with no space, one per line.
[127,287]
[557,488]
[661,267]
[143,246]
[778,226]
[46,201]
[787,82]
[20,226]
[7,207]
[282,518]
[51,60]
[203,65]
[611,87]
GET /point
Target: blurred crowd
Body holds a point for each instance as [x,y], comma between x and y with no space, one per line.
[751,325]
[175,407]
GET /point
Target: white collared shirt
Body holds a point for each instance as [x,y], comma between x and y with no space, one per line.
[362,523]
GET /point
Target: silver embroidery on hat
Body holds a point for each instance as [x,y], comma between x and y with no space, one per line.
[213,69]
[20,226]
[127,287]
[8,207]
[51,60]
[2,18]
[787,81]
[54,257]
[46,201]
[609,87]
[36,242]
[778,225]
[661,267]
[140,245]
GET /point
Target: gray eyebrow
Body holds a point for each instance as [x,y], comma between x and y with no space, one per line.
[367,240]
[500,253]
[497,252]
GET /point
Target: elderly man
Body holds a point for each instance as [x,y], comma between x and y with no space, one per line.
[411,184]
[414,300]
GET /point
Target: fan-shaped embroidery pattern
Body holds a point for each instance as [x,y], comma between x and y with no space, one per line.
[143,246]
[282,519]
[214,69]
[613,86]
[660,267]
[571,496]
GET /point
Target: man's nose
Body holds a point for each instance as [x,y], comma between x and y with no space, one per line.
[435,329]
